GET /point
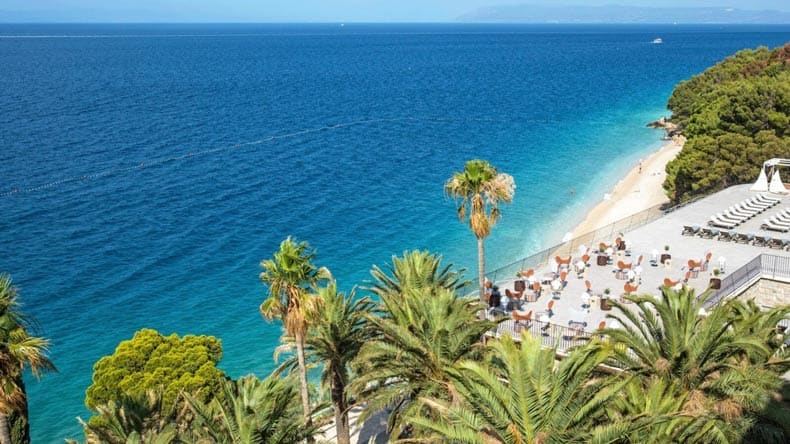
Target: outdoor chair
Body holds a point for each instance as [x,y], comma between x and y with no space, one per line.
[669,283]
[628,290]
[533,294]
[521,318]
[575,330]
[776,243]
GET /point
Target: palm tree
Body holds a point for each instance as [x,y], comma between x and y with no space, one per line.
[251,411]
[419,334]
[416,269]
[721,363]
[479,189]
[290,275]
[338,329]
[18,351]
[138,418]
[524,396]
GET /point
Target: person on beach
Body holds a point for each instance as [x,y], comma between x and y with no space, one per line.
[640,166]
[571,191]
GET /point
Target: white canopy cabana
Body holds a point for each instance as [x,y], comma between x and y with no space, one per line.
[770,169]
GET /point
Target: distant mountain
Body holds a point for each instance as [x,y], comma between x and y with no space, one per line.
[621,14]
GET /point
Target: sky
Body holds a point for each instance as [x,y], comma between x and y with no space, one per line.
[300,10]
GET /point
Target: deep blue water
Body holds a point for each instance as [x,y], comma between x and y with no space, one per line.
[156,166]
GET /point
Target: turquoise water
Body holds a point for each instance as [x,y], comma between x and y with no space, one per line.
[149,169]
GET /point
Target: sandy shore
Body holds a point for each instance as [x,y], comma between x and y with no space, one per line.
[639,190]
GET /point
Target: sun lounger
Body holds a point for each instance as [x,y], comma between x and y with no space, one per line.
[707,233]
[727,217]
[777,244]
[743,238]
[761,241]
[753,201]
[768,225]
[778,221]
[716,222]
[744,209]
[726,236]
[749,205]
[739,213]
[690,230]
[766,200]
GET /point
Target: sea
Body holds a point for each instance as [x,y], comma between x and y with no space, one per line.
[148,169]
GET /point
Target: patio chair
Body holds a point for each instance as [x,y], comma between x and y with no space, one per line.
[550,308]
[602,325]
[575,330]
[628,290]
[669,283]
[532,294]
[521,318]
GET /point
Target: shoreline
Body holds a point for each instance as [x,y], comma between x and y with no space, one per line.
[640,189]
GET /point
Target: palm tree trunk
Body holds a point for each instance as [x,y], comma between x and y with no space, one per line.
[302,378]
[341,410]
[481,268]
[5,429]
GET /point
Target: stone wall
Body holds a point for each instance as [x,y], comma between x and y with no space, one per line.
[768,293]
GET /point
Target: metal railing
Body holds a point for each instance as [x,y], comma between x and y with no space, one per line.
[562,338]
[766,266]
[605,233]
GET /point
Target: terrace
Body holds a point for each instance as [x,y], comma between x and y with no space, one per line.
[743,264]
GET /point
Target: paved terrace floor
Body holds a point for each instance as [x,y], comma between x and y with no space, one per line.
[666,230]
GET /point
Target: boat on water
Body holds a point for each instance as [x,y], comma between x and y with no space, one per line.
[657,41]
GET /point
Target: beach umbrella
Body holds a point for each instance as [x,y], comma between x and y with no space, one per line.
[776,184]
[762,182]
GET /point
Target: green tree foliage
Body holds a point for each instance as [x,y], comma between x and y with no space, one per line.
[151,361]
[524,397]
[478,191]
[718,371]
[131,420]
[423,330]
[19,351]
[735,116]
[251,411]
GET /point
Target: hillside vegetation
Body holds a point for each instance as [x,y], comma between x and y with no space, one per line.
[735,116]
